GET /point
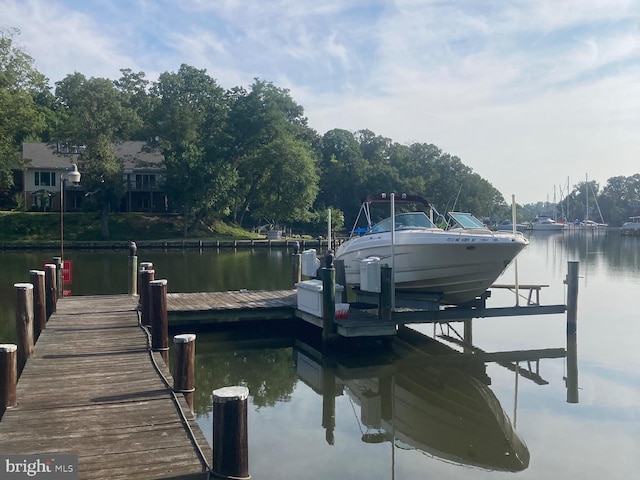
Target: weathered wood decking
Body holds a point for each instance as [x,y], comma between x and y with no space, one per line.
[91,390]
[231,306]
[243,305]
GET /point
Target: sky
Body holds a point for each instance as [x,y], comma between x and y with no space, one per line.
[535,96]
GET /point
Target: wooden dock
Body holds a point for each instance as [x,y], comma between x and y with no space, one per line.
[245,305]
[92,390]
[234,306]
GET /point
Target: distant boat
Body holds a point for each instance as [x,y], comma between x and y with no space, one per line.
[632,226]
[546,224]
[590,225]
[508,226]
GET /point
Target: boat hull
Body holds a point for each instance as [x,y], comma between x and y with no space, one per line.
[456,265]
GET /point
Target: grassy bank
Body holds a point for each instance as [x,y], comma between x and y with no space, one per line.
[36,227]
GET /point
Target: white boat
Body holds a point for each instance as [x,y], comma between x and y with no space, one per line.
[508,226]
[633,225]
[546,224]
[590,225]
[458,263]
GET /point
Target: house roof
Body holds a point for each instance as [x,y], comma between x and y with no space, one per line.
[136,156]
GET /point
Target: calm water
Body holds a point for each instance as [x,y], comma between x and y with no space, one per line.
[359,415]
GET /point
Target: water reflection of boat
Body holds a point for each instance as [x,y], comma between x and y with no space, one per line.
[444,407]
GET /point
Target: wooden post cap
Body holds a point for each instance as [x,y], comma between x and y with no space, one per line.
[226,394]
[39,273]
[8,347]
[157,283]
[145,266]
[23,286]
[184,338]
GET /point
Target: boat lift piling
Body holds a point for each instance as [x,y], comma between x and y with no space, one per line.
[412,307]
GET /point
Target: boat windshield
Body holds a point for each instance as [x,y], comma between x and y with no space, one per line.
[404,221]
[466,220]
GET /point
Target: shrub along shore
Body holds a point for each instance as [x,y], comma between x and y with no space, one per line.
[36,230]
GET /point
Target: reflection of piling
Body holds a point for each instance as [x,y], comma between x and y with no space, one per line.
[24,322]
[39,305]
[468,336]
[184,366]
[572,368]
[158,317]
[8,376]
[230,439]
[329,404]
[51,292]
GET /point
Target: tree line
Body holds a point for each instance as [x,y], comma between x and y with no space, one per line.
[244,155]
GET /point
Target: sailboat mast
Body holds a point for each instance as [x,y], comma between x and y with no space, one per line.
[586,192]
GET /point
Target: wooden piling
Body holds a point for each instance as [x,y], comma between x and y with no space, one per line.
[230,438]
[297,264]
[184,366]
[146,277]
[39,304]
[341,279]
[141,268]
[133,269]
[572,296]
[386,291]
[50,287]
[57,261]
[8,376]
[328,300]
[158,315]
[24,322]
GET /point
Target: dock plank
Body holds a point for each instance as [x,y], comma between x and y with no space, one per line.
[91,390]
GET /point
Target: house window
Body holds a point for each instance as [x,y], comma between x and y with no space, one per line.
[45,179]
[145,181]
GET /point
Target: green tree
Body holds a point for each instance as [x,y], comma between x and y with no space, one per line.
[191,115]
[265,122]
[21,117]
[95,115]
[134,88]
[343,173]
[287,184]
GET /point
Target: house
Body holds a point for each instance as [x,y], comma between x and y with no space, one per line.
[47,164]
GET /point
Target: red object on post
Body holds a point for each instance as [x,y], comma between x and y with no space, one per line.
[67,272]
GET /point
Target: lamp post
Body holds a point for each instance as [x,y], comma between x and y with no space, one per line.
[74,176]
